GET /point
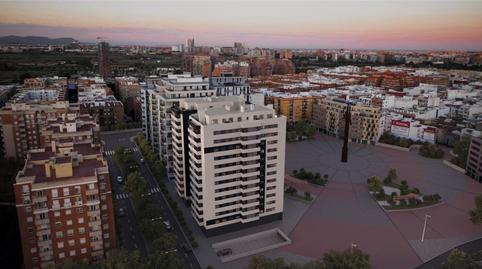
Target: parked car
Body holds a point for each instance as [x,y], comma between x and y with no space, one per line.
[119,179]
[167,225]
[224,252]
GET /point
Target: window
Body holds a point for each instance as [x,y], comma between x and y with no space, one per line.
[82,240]
[55,193]
[83,251]
[66,191]
[61,255]
[68,212]
[45,237]
[91,186]
[71,242]
[70,232]
[81,220]
[69,222]
[72,253]
[59,234]
[33,250]
[60,245]
[81,230]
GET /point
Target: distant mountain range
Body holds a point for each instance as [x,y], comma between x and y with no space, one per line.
[35,40]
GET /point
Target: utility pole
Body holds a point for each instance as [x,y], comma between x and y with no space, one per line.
[425,226]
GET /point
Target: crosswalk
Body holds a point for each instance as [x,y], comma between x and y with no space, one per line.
[121,196]
[129,150]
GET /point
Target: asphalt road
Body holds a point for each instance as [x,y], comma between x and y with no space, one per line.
[438,262]
[133,238]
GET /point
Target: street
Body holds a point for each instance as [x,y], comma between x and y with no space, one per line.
[130,232]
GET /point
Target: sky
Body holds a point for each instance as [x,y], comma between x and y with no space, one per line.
[389,24]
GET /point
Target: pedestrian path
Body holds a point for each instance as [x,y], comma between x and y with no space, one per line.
[126,196]
[129,150]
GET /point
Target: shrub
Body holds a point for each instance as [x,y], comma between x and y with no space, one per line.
[436,197]
[415,190]
[404,182]
[431,151]
[403,202]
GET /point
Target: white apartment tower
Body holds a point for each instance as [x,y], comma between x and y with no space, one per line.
[229,162]
[157,100]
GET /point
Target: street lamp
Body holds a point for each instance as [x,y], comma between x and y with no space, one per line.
[425,225]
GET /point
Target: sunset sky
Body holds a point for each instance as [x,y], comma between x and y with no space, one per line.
[386,24]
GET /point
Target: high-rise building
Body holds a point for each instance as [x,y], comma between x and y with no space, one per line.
[474,159]
[190,45]
[156,109]
[105,69]
[63,196]
[229,162]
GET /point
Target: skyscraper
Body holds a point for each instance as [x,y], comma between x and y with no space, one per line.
[190,45]
[104,61]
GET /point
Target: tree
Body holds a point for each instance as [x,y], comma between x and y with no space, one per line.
[348,259]
[476,213]
[459,260]
[461,150]
[374,185]
[290,190]
[392,175]
[261,262]
[431,151]
[136,186]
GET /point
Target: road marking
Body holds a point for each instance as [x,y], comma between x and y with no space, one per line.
[122,196]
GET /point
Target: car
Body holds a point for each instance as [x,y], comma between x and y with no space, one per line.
[119,179]
[122,212]
[167,225]
[224,252]
[142,160]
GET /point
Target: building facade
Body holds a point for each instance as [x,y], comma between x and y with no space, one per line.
[63,196]
[229,162]
[365,127]
[156,108]
[25,115]
[295,107]
[474,159]
[230,86]
[105,69]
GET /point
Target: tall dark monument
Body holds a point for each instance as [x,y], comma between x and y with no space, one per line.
[104,62]
[344,150]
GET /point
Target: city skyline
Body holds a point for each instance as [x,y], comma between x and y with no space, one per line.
[426,25]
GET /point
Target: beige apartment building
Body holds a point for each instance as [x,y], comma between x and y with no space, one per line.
[229,162]
[365,128]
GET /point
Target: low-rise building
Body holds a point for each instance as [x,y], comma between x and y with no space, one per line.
[295,107]
[366,123]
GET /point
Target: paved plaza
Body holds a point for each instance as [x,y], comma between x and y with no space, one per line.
[343,212]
